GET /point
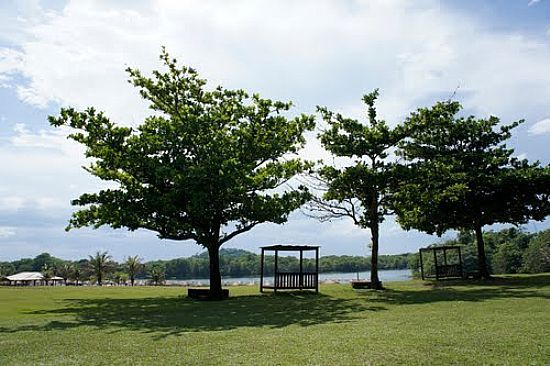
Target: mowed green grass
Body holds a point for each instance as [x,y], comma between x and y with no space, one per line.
[504,322]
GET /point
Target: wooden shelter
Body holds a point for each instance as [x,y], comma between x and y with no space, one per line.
[443,266]
[300,280]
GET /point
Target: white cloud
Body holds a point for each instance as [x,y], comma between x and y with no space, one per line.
[6,232]
[541,127]
[37,168]
[522,156]
[47,139]
[10,62]
[413,52]
[11,203]
[533,2]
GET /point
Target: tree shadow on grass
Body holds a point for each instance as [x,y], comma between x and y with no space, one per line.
[175,315]
[502,287]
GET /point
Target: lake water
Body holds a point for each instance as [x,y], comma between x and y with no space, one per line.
[384,275]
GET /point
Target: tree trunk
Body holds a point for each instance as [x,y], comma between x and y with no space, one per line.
[375,233]
[482,259]
[132,281]
[374,280]
[215,275]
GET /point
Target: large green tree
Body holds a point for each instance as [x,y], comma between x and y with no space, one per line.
[360,188]
[207,165]
[463,176]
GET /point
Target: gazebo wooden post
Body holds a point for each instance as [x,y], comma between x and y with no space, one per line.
[301,280]
[460,262]
[421,265]
[262,272]
[435,265]
[275,284]
[316,269]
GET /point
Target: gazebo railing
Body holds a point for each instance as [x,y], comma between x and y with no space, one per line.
[449,270]
[296,280]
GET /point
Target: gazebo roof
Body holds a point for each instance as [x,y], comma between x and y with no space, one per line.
[290,247]
[26,276]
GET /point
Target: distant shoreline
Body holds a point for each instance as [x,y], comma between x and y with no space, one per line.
[386,275]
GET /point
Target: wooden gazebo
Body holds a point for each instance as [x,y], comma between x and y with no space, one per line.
[291,280]
[444,267]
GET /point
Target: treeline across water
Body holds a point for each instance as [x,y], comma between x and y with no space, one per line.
[241,263]
[233,263]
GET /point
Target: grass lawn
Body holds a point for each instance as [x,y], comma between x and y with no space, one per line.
[504,322]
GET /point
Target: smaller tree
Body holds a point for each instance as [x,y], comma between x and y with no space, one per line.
[536,258]
[100,264]
[64,271]
[6,269]
[508,258]
[47,273]
[360,191]
[76,274]
[133,267]
[120,278]
[158,274]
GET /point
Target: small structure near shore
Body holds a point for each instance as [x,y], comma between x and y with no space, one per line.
[291,280]
[31,279]
[447,262]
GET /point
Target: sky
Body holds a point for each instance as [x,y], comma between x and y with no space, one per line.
[493,55]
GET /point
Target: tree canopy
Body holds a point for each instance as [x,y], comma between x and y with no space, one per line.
[463,176]
[207,165]
[359,190]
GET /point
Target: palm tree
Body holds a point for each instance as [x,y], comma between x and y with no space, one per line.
[47,273]
[120,278]
[100,264]
[158,273]
[133,265]
[65,271]
[76,274]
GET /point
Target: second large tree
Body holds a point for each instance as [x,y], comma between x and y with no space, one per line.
[461,175]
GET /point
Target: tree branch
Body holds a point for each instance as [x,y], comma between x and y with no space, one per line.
[244,229]
[327,210]
[183,236]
